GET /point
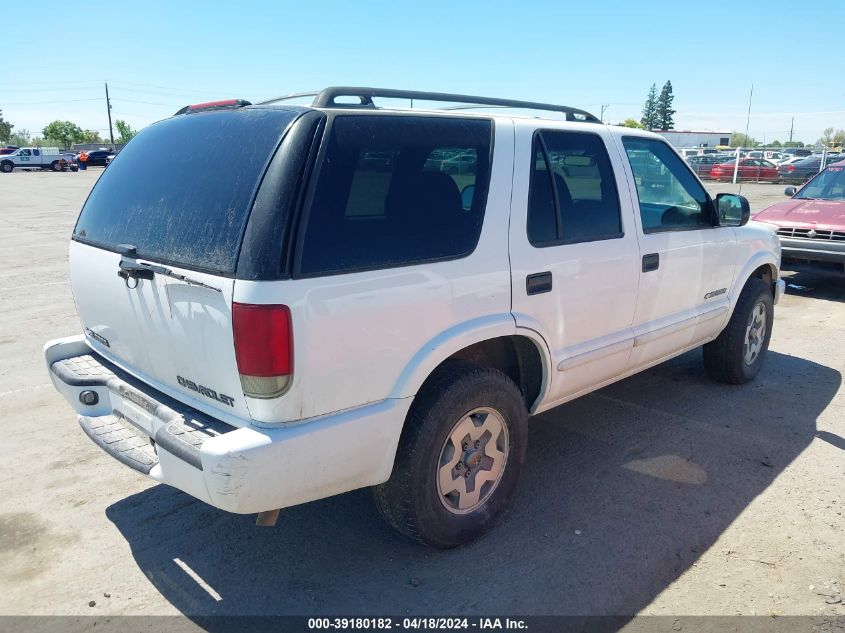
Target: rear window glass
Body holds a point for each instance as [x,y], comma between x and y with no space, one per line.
[395,190]
[180,192]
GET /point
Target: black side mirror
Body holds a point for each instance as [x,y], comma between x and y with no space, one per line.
[790,191]
[732,210]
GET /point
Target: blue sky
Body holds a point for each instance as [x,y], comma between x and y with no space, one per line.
[159,56]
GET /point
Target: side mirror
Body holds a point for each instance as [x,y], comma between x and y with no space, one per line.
[732,209]
[466,197]
[790,191]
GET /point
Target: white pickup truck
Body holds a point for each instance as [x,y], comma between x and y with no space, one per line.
[331,308]
[36,158]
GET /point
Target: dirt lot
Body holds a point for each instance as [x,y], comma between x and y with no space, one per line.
[662,494]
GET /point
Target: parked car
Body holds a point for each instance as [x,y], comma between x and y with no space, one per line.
[749,169]
[811,224]
[99,158]
[36,158]
[460,164]
[769,155]
[802,170]
[303,337]
[8,149]
[702,165]
[797,151]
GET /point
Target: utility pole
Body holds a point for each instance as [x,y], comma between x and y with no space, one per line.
[603,108]
[108,107]
[791,127]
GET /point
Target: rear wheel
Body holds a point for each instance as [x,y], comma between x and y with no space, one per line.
[459,457]
[56,165]
[737,355]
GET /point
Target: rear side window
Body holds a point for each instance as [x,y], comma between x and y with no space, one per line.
[396,190]
[181,191]
[573,196]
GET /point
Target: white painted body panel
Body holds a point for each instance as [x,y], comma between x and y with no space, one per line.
[162,329]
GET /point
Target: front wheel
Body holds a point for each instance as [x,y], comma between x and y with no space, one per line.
[737,354]
[6,167]
[459,456]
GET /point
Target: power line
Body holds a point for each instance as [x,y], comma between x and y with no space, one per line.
[17,103]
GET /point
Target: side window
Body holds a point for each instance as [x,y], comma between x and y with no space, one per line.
[573,196]
[395,190]
[35,152]
[24,152]
[670,196]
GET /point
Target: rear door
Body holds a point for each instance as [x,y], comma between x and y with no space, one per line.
[187,213]
[687,263]
[574,254]
[401,251]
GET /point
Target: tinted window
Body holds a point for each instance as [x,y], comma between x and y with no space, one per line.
[573,195]
[829,185]
[670,196]
[181,190]
[396,190]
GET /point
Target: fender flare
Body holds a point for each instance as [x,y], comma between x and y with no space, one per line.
[456,338]
[759,258]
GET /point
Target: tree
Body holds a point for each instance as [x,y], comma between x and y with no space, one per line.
[649,120]
[21,138]
[738,139]
[827,138]
[126,132]
[839,138]
[64,132]
[793,144]
[664,111]
[776,144]
[92,137]
[5,128]
[629,122]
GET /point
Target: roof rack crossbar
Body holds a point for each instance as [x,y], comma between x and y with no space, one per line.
[327,98]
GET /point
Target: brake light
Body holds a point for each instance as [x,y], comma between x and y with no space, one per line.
[263,348]
[790,168]
[214,105]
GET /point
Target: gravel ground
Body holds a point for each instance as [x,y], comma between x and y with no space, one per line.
[662,494]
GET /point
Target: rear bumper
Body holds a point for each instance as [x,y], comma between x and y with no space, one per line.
[243,470]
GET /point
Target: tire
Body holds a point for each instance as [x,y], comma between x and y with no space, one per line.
[459,399]
[56,165]
[737,355]
[6,167]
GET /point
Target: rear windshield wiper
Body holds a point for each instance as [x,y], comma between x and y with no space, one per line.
[138,270]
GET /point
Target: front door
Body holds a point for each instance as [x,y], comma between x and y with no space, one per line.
[574,255]
[687,262]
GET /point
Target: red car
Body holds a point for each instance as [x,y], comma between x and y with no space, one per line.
[811,225]
[749,169]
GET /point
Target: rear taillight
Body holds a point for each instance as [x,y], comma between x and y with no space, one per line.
[263,348]
[790,168]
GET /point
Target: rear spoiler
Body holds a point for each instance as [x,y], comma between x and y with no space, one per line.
[213,105]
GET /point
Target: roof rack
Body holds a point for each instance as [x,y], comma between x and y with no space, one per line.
[327,98]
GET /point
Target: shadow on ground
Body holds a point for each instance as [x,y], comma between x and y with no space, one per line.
[828,287]
[622,491]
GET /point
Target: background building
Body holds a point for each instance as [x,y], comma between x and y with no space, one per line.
[686,138]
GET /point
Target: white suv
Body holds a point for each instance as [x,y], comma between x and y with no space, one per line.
[363,296]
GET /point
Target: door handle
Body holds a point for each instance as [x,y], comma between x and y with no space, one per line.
[538,283]
[651,262]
